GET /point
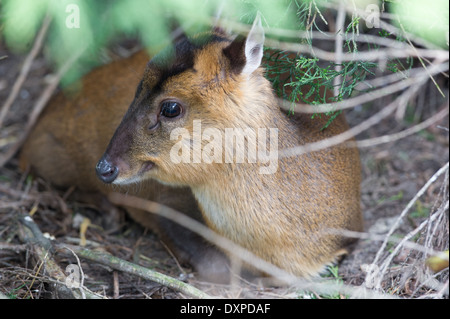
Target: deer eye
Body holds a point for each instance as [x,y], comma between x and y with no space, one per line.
[171,109]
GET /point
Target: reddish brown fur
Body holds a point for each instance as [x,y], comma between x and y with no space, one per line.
[284,218]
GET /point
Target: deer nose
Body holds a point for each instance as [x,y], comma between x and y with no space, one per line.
[106,172]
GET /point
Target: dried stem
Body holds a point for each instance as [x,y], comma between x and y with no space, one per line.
[128,267]
[39,107]
[441,171]
[238,251]
[347,135]
[378,55]
[25,68]
[338,45]
[42,249]
[412,130]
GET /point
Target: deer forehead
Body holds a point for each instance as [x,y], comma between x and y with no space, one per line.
[198,69]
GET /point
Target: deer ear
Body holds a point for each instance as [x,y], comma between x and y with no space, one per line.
[254,46]
[245,54]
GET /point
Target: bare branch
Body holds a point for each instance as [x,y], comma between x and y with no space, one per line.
[25,69]
[296,35]
[441,171]
[347,135]
[338,45]
[238,251]
[378,55]
[128,267]
[394,137]
[39,107]
[42,248]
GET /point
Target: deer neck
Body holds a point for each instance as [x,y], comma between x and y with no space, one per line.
[232,199]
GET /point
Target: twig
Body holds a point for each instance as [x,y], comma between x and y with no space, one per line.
[383,24]
[38,107]
[359,56]
[444,289]
[15,193]
[174,258]
[444,195]
[394,137]
[441,171]
[205,232]
[420,58]
[42,260]
[81,283]
[116,285]
[376,237]
[48,198]
[347,135]
[322,35]
[385,112]
[13,247]
[320,13]
[384,266]
[128,267]
[25,68]
[338,45]
[238,251]
[43,248]
[4,205]
[386,80]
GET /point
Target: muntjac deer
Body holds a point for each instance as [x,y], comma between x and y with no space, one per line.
[201,135]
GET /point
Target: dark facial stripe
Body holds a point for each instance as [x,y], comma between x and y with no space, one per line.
[180,57]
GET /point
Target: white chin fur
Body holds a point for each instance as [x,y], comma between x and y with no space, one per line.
[126,181]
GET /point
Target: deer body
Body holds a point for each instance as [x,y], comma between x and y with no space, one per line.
[286,216]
